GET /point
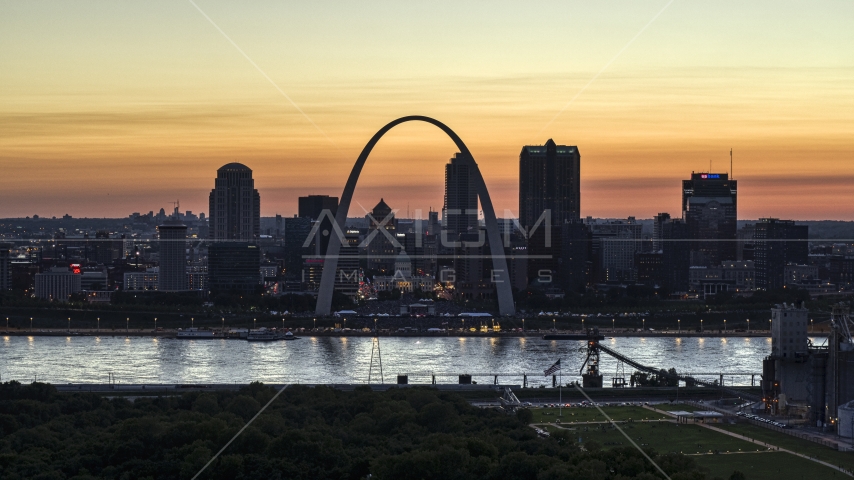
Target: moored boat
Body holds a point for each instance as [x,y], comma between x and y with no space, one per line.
[262,334]
[195,333]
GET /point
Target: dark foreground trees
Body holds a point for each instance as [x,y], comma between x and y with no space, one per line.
[310,433]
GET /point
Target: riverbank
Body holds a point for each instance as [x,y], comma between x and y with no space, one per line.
[670,323]
[133,332]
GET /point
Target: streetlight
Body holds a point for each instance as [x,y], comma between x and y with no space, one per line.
[7,324]
[254,323]
[192,322]
[283,323]
[643,324]
[725,325]
[582,324]
[748,325]
[464,324]
[155,324]
[613,320]
[701,324]
[679,325]
[99,324]
[31,324]
[554,325]
[375,325]
[811,324]
[127,326]
[315,324]
[223,325]
[523,325]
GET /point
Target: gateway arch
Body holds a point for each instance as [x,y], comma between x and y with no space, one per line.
[499,262]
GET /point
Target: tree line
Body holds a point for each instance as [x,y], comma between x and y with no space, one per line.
[306,433]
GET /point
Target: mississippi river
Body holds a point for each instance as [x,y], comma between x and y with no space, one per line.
[84,359]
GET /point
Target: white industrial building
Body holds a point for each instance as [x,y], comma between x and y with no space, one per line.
[57,284]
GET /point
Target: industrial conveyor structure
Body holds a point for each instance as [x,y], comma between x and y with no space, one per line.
[592,377]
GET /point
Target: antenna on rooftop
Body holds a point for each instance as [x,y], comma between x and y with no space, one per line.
[730,163]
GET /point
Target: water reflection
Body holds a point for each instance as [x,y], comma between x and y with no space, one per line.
[348,360]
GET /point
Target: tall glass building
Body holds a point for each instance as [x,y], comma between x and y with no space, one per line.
[173,256]
[710,210]
[549,180]
[459,213]
[234,260]
[235,205]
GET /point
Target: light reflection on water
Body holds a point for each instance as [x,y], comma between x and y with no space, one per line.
[347,360]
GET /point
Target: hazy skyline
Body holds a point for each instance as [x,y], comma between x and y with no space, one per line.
[109,108]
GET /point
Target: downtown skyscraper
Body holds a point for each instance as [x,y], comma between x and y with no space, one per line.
[235,205]
[549,181]
[235,215]
[459,213]
[710,211]
[172,276]
[778,243]
[549,198]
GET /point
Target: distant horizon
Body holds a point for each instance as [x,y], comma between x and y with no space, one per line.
[397,217]
[106,106]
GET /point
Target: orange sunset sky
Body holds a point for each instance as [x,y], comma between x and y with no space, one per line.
[108,108]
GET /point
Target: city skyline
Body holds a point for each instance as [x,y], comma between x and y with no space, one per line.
[213,213]
[124,106]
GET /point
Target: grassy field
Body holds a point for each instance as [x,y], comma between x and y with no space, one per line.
[591,414]
[664,437]
[805,447]
[766,466]
[719,453]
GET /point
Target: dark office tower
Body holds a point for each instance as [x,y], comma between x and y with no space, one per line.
[615,243]
[544,249]
[433,225]
[172,275]
[549,193]
[235,206]
[472,267]
[297,230]
[280,226]
[658,231]
[234,267]
[5,266]
[459,214]
[105,250]
[382,252]
[710,209]
[744,245]
[574,266]
[676,256]
[312,207]
[549,177]
[650,267]
[777,243]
